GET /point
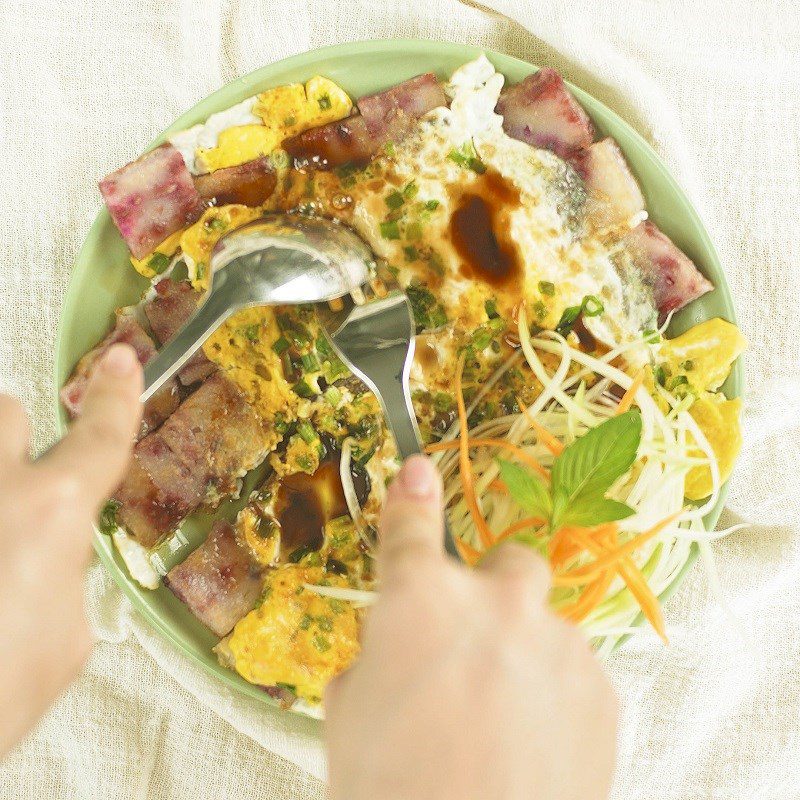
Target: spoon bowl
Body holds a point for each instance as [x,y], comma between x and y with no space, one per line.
[282,259]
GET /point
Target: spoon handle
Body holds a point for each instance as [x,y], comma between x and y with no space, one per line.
[178,350]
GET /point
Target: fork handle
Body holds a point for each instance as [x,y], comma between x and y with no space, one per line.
[186,342]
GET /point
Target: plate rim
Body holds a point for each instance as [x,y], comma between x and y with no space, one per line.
[102,543]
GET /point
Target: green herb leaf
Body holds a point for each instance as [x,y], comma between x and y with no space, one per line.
[108,518]
[526,488]
[585,470]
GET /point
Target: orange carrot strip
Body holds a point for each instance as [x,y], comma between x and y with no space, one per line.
[590,571]
[591,597]
[546,438]
[465,468]
[498,486]
[526,458]
[627,399]
[528,522]
[467,552]
[637,585]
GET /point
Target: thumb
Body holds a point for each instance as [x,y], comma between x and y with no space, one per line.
[98,446]
[412,522]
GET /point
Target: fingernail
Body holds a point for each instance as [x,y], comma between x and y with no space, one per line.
[418,477]
[119,360]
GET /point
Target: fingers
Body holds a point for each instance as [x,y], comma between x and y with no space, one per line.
[517,567]
[14,431]
[98,447]
[412,522]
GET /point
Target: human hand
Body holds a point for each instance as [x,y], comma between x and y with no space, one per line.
[46,513]
[467,685]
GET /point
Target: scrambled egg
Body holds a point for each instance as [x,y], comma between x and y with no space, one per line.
[296,639]
[155,263]
[244,348]
[704,354]
[718,419]
[284,112]
[198,240]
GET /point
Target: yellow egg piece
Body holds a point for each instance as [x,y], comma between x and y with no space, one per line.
[718,419]
[238,145]
[283,109]
[156,262]
[705,353]
[243,348]
[199,240]
[296,638]
[326,102]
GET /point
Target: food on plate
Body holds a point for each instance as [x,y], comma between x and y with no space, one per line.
[557,409]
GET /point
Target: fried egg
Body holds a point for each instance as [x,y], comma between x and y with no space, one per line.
[474,215]
[296,638]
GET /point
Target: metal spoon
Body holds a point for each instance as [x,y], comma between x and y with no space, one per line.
[283,259]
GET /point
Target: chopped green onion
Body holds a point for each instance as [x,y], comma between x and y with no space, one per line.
[659,374]
[323,346]
[280,424]
[491,308]
[432,205]
[108,517]
[321,643]
[688,365]
[310,362]
[287,121]
[307,432]
[297,555]
[410,253]
[394,200]
[651,336]
[568,317]
[592,306]
[548,288]
[390,229]
[413,231]
[281,346]
[333,395]
[324,102]
[302,389]
[540,309]
[216,224]
[251,332]
[158,262]
[410,190]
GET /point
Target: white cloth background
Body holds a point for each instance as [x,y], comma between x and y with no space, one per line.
[713,85]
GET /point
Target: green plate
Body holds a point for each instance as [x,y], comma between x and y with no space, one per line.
[103,278]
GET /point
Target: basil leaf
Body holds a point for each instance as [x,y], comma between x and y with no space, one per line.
[585,470]
[526,489]
[599,511]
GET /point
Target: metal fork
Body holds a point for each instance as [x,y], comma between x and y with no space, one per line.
[375,339]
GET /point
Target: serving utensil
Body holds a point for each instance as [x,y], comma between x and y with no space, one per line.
[375,339]
[282,259]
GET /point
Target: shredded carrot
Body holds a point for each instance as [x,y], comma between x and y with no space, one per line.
[546,438]
[627,399]
[523,524]
[498,486]
[637,585]
[465,468]
[590,572]
[590,598]
[526,458]
[467,552]
[567,543]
